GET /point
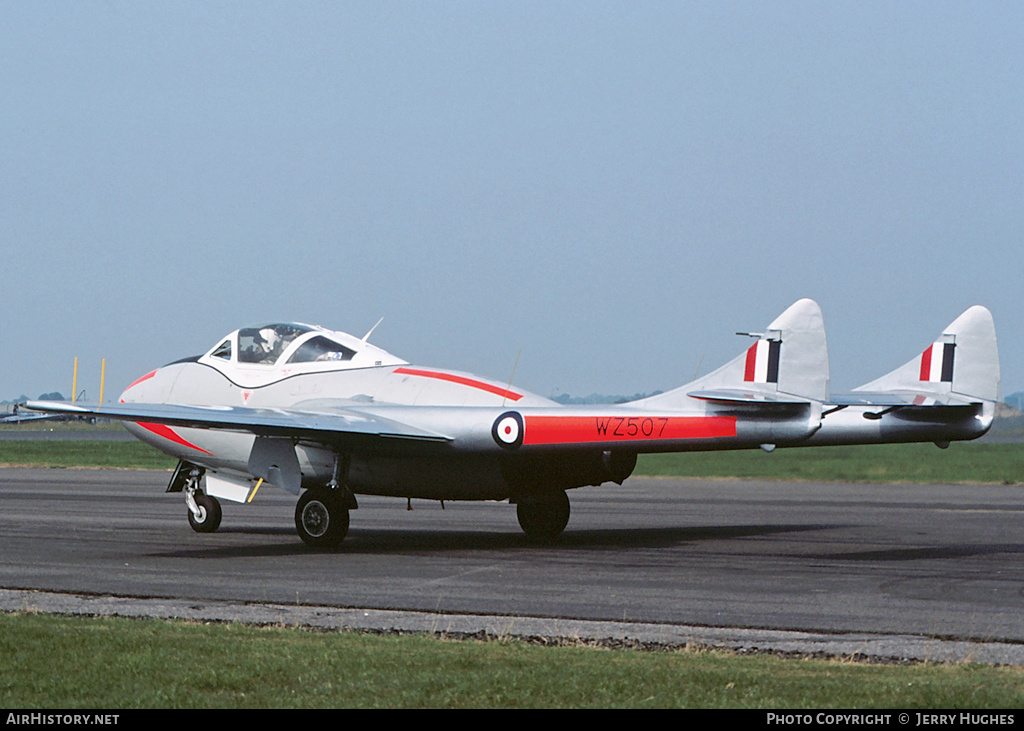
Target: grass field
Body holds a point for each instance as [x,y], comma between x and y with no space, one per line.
[73,453]
[69,663]
[962,462]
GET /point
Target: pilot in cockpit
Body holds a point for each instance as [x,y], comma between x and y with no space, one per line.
[270,342]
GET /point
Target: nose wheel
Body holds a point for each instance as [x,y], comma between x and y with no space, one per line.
[204,512]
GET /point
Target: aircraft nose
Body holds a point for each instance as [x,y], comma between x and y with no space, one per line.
[152,387]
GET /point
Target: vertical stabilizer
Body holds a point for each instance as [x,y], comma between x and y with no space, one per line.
[803,369]
[789,359]
[963,361]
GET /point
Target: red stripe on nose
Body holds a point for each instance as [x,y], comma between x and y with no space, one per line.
[162,430]
[140,380]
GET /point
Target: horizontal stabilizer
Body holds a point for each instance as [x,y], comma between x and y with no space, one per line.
[899,398]
[737,396]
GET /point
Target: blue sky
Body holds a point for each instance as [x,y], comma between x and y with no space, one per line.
[602,191]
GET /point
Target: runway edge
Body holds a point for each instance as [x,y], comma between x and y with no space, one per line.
[863,646]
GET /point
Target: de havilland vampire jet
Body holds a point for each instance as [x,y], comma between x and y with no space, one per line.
[328,416]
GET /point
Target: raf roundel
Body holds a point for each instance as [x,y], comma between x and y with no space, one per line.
[508,430]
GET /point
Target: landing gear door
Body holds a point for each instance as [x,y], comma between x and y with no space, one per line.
[180,477]
[273,459]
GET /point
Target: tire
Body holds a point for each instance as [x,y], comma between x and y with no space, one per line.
[210,513]
[321,518]
[543,517]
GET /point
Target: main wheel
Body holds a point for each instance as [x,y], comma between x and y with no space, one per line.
[320,518]
[543,517]
[209,516]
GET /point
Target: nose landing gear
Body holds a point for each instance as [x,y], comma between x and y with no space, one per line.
[204,513]
[205,516]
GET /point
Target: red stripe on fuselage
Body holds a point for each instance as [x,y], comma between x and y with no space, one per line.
[162,430]
[462,381]
[545,430]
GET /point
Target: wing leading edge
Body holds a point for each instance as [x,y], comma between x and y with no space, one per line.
[322,426]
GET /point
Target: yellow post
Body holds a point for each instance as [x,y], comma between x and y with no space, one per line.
[74,383]
[103,375]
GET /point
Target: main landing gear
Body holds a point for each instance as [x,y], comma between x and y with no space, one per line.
[322,513]
[321,517]
[543,517]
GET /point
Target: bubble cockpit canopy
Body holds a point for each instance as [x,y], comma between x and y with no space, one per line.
[264,344]
[290,347]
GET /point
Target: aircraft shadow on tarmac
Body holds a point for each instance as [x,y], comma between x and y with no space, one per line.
[926,552]
[403,541]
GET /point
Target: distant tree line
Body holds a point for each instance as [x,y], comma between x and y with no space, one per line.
[599,398]
[52,396]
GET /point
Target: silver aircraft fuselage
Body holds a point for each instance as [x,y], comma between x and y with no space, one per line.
[307,409]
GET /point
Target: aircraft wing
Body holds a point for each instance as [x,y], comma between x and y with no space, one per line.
[22,418]
[328,425]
